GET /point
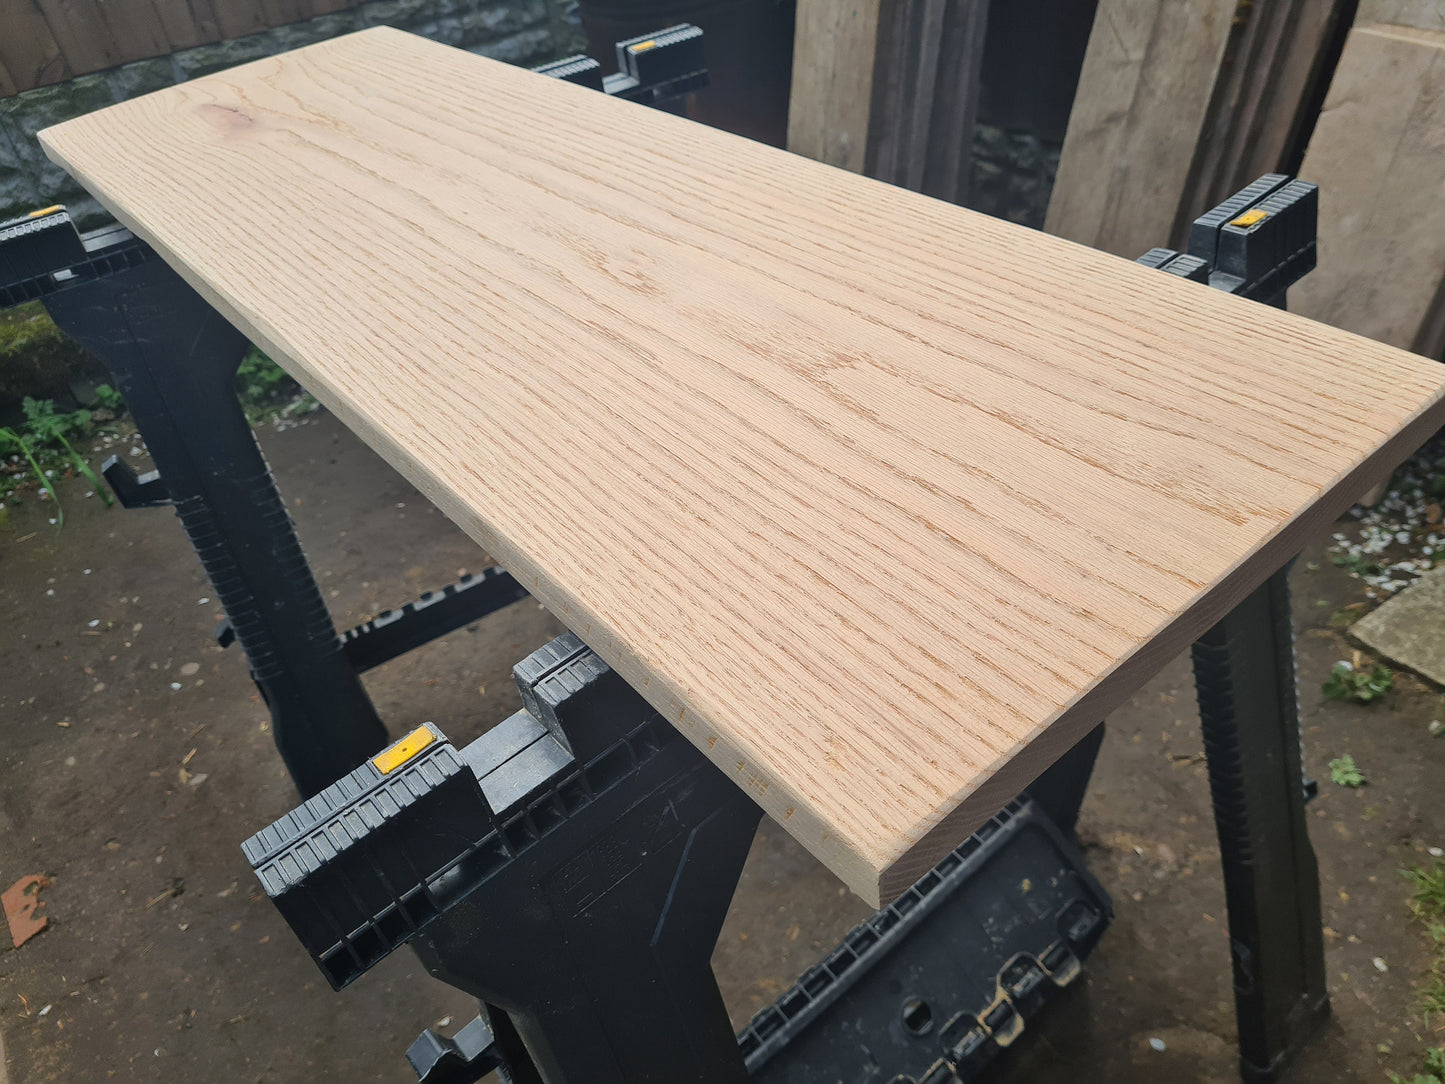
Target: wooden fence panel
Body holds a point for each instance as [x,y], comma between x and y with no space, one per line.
[50,41]
[189,23]
[28,50]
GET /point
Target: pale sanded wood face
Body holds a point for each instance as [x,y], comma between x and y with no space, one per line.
[882,502]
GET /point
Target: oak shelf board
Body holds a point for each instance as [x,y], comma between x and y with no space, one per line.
[882,502]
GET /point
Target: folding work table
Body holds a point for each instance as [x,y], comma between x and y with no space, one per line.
[880,503]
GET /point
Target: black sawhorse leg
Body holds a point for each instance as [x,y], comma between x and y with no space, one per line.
[174,359]
[1244,671]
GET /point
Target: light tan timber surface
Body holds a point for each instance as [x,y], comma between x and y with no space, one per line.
[1378,155]
[1143,99]
[829,106]
[882,502]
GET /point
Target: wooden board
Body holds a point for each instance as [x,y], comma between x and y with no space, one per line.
[49,41]
[1423,14]
[1378,155]
[889,89]
[1180,104]
[1266,97]
[834,42]
[1143,94]
[28,49]
[882,502]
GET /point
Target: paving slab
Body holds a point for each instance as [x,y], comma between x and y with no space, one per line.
[1409,629]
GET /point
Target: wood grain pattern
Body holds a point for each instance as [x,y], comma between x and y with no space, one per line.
[188,23]
[1266,97]
[834,42]
[28,49]
[882,502]
[1143,96]
[1378,155]
[1180,104]
[80,31]
[49,41]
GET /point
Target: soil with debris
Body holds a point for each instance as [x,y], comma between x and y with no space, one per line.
[136,756]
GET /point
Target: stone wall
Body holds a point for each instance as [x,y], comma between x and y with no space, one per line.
[526,32]
[1013,174]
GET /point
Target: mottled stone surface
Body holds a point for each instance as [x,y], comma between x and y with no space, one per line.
[1013,174]
[1409,629]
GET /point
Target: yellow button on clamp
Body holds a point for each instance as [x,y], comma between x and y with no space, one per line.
[1250,218]
[394,756]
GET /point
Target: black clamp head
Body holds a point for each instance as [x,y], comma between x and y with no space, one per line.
[357,869]
[39,243]
[1261,240]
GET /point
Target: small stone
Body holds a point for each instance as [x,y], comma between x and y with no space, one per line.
[1158,1045]
[95,622]
[1434,852]
[1380,964]
[175,686]
[203,601]
[189,668]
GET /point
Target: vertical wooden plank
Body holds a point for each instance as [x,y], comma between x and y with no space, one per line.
[285,12]
[896,45]
[1422,14]
[1144,92]
[135,30]
[833,52]
[1266,87]
[239,17]
[80,31]
[1430,339]
[955,106]
[28,49]
[188,23]
[923,80]
[1376,155]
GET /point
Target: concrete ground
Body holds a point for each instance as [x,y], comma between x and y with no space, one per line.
[163,960]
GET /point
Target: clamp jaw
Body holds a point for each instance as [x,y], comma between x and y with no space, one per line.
[1255,244]
[652,69]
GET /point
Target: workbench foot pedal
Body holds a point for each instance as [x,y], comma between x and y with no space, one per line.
[132,490]
[465,1058]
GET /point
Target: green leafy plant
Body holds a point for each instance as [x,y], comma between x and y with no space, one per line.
[109,398]
[1428,904]
[1355,564]
[46,426]
[1362,686]
[1344,773]
[260,383]
[11,439]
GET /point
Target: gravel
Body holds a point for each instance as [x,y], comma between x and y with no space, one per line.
[1402,536]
